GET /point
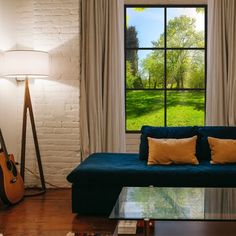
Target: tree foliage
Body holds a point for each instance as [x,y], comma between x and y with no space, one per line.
[185,68]
[133,79]
[153,69]
[132,42]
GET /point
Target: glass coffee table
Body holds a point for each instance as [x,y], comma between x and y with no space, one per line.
[162,203]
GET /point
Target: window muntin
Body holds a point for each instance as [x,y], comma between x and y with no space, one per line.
[166,76]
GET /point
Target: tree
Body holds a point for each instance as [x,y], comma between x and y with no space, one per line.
[196,79]
[184,68]
[133,79]
[153,69]
[132,42]
[181,32]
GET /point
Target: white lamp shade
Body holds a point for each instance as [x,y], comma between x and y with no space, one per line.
[25,63]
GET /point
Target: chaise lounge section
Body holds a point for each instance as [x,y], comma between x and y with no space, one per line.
[97,182]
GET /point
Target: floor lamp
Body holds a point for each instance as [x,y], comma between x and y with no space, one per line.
[23,65]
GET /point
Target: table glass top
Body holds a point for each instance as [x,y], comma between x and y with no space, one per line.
[160,203]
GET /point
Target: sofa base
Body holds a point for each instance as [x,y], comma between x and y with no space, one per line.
[91,200]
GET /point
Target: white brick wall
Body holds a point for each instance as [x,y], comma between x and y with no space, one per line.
[52,26]
[8,91]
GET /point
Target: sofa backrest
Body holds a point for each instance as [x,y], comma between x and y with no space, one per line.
[202,149]
[162,132]
[223,132]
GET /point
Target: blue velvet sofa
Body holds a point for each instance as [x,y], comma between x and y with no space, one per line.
[97,182]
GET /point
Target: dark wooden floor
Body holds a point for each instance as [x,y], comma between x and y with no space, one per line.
[50,214]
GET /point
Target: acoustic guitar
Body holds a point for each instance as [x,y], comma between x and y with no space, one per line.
[11,183]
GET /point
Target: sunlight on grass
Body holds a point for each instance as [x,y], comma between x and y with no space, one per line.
[144,107]
[184,108]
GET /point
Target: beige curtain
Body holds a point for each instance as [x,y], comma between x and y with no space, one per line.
[221,76]
[102,77]
[219,203]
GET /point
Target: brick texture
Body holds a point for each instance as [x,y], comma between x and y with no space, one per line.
[52,26]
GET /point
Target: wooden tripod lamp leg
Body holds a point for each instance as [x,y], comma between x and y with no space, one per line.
[28,106]
[23,139]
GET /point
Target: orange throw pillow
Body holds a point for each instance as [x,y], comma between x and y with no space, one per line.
[168,151]
[222,150]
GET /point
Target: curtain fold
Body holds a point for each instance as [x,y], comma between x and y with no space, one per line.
[221,75]
[219,202]
[102,116]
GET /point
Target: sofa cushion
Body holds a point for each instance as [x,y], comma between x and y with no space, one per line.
[107,169]
[172,151]
[162,132]
[203,149]
[222,150]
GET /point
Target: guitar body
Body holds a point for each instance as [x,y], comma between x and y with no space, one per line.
[11,183]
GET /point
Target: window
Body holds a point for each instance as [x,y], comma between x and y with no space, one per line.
[165,65]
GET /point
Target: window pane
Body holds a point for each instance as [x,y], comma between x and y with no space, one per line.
[185,69]
[144,108]
[144,26]
[144,69]
[185,108]
[185,27]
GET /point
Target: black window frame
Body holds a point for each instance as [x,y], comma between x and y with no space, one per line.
[165,49]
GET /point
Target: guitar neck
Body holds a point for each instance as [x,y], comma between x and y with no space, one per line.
[3,146]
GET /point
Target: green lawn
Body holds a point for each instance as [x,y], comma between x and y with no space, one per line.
[184,108]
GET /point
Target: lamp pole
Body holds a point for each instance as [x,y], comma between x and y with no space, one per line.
[28,107]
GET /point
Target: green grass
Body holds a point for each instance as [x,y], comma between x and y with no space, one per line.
[184,108]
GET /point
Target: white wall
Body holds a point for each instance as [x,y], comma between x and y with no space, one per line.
[51,26]
[8,90]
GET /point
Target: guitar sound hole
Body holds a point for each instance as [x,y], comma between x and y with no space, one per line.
[14,171]
[11,167]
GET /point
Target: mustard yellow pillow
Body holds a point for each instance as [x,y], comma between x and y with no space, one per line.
[168,151]
[222,150]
